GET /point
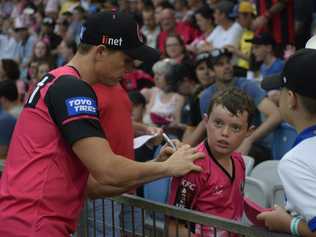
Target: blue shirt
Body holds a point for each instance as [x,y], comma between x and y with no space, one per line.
[7,123]
[275,68]
[251,88]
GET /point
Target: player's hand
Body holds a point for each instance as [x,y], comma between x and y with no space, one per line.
[182,161]
[166,151]
[276,220]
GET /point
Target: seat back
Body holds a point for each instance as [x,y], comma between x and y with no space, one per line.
[249,163]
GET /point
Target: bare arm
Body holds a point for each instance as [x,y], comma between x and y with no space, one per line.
[109,170]
[273,115]
[179,104]
[194,135]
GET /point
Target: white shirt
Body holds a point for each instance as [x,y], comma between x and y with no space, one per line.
[297,170]
[221,37]
[151,36]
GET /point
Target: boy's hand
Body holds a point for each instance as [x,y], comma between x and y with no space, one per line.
[276,220]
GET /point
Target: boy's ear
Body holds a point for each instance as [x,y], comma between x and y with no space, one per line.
[251,129]
[205,119]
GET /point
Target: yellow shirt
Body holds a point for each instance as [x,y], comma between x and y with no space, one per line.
[245,47]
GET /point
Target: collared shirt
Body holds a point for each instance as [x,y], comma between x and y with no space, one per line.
[297,172]
[213,191]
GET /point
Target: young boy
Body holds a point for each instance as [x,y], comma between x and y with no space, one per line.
[218,189]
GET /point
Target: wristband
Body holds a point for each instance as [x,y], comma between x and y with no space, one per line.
[294,225]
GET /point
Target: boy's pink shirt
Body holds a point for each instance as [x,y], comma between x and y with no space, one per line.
[212,191]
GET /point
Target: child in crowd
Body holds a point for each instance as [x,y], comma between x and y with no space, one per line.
[218,189]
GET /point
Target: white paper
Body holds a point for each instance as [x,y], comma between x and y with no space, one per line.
[141,140]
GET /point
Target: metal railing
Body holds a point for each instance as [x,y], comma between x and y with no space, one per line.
[149,218]
[151,223]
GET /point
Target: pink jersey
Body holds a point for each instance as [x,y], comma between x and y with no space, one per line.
[213,191]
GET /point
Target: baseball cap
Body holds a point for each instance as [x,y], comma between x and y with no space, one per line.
[48,21]
[117,30]
[201,57]
[263,38]
[247,7]
[217,54]
[296,75]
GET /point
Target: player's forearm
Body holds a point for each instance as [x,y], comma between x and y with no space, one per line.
[126,174]
[96,190]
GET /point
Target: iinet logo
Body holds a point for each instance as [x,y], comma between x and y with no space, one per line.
[112,41]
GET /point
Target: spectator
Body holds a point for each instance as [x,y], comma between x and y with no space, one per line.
[66,50]
[246,14]
[169,25]
[176,50]
[25,46]
[205,21]
[41,52]
[8,43]
[75,24]
[150,28]
[48,35]
[164,105]
[223,70]
[264,51]
[218,190]
[296,169]
[276,17]
[227,31]
[7,124]
[9,98]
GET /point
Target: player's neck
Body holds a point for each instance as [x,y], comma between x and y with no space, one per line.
[81,63]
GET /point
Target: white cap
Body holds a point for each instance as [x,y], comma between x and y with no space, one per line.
[311,43]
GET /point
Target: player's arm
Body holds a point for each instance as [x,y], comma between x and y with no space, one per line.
[73,107]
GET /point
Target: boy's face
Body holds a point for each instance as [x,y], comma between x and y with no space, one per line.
[225,131]
[245,19]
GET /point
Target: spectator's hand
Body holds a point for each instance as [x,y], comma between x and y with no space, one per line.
[206,46]
[245,146]
[231,48]
[182,161]
[276,220]
[166,151]
[289,51]
[260,22]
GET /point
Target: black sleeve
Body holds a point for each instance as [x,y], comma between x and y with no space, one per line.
[72,104]
[195,113]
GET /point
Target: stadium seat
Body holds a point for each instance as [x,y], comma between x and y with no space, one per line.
[257,191]
[267,172]
[278,196]
[249,162]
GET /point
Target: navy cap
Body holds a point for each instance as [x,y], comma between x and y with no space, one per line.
[262,39]
[117,30]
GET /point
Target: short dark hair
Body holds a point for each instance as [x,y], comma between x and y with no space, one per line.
[85,48]
[137,98]
[309,104]
[235,101]
[8,90]
[11,68]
